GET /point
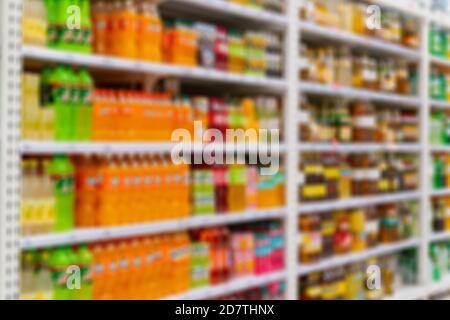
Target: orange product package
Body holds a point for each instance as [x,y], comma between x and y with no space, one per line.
[149,36]
[124,29]
[87,180]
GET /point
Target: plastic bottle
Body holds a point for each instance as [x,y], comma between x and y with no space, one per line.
[58,262]
[83,126]
[59,81]
[85,41]
[62,172]
[101,24]
[149,37]
[43,277]
[126,29]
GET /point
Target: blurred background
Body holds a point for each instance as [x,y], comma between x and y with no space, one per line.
[354,96]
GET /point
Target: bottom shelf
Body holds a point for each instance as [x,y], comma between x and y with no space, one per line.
[230,287]
[421,292]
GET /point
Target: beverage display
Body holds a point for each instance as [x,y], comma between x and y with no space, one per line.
[153,267]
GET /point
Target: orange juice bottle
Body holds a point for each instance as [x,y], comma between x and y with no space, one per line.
[100,24]
[149,35]
[166,210]
[112,261]
[124,254]
[125,29]
[181,261]
[86,191]
[154,204]
[110,196]
[98,275]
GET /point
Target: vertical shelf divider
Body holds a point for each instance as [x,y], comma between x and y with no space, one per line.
[290,135]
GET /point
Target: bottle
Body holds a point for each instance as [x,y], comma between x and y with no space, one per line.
[438,174]
[100,27]
[62,172]
[149,37]
[59,260]
[59,82]
[86,35]
[84,114]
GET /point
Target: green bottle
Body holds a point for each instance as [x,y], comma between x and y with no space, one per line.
[86,27]
[434,256]
[62,172]
[84,261]
[438,174]
[74,101]
[84,115]
[59,81]
[64,18]
[59,260]
[437,132]
[52,30]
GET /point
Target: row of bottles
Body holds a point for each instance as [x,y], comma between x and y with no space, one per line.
[342,232]
[152,267]
[60,193]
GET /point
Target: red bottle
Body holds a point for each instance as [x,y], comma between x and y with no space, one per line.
[221,49]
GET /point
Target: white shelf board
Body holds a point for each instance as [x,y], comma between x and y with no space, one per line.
[440,148]
[354,93]
[53,147]
[435,104]
[372,43]
[439,61]
[440,192]
[404,6]
[413,292]
[101,234]
[342,260]
[358,147]
[136,66]
[321,206]
[439,236]
[441,19]
[235,10]
[230,287]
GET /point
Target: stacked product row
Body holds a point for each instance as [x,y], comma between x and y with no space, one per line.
[341,232]
[327,176]
[61,104]
[153,267]
[350,282]
[356,121]
[135,29]
[60,193]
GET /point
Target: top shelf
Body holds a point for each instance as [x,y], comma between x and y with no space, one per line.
[219,9]
[334,34]
[119,64]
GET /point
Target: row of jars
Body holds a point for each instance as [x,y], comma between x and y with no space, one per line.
[324,235]
[356,121]
[328,176]
[340,66]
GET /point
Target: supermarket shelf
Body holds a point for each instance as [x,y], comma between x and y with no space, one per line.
[440,148]
[440,192]
[439,287]
[440,61]
[349,92]
[439,104]
[440,19]
[50,147]
[101,234]
[230,287]
[358,147]
[404,6]
[409,293]
[220,7]
[358,256]
[439,236]
[120,64]
[322,206]
[334,34]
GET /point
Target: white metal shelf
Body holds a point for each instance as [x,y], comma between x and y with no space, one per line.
[440,192]
[342,260]
[136,66]
[439,236]
[440,19]
[440,148]
[50,147]
[354,93]
[358,147]
[322,206]
[231,287]
[404,6]
[435,104]
[440,61]
[372,43]
[235,10]
[413,292]
[101,234]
